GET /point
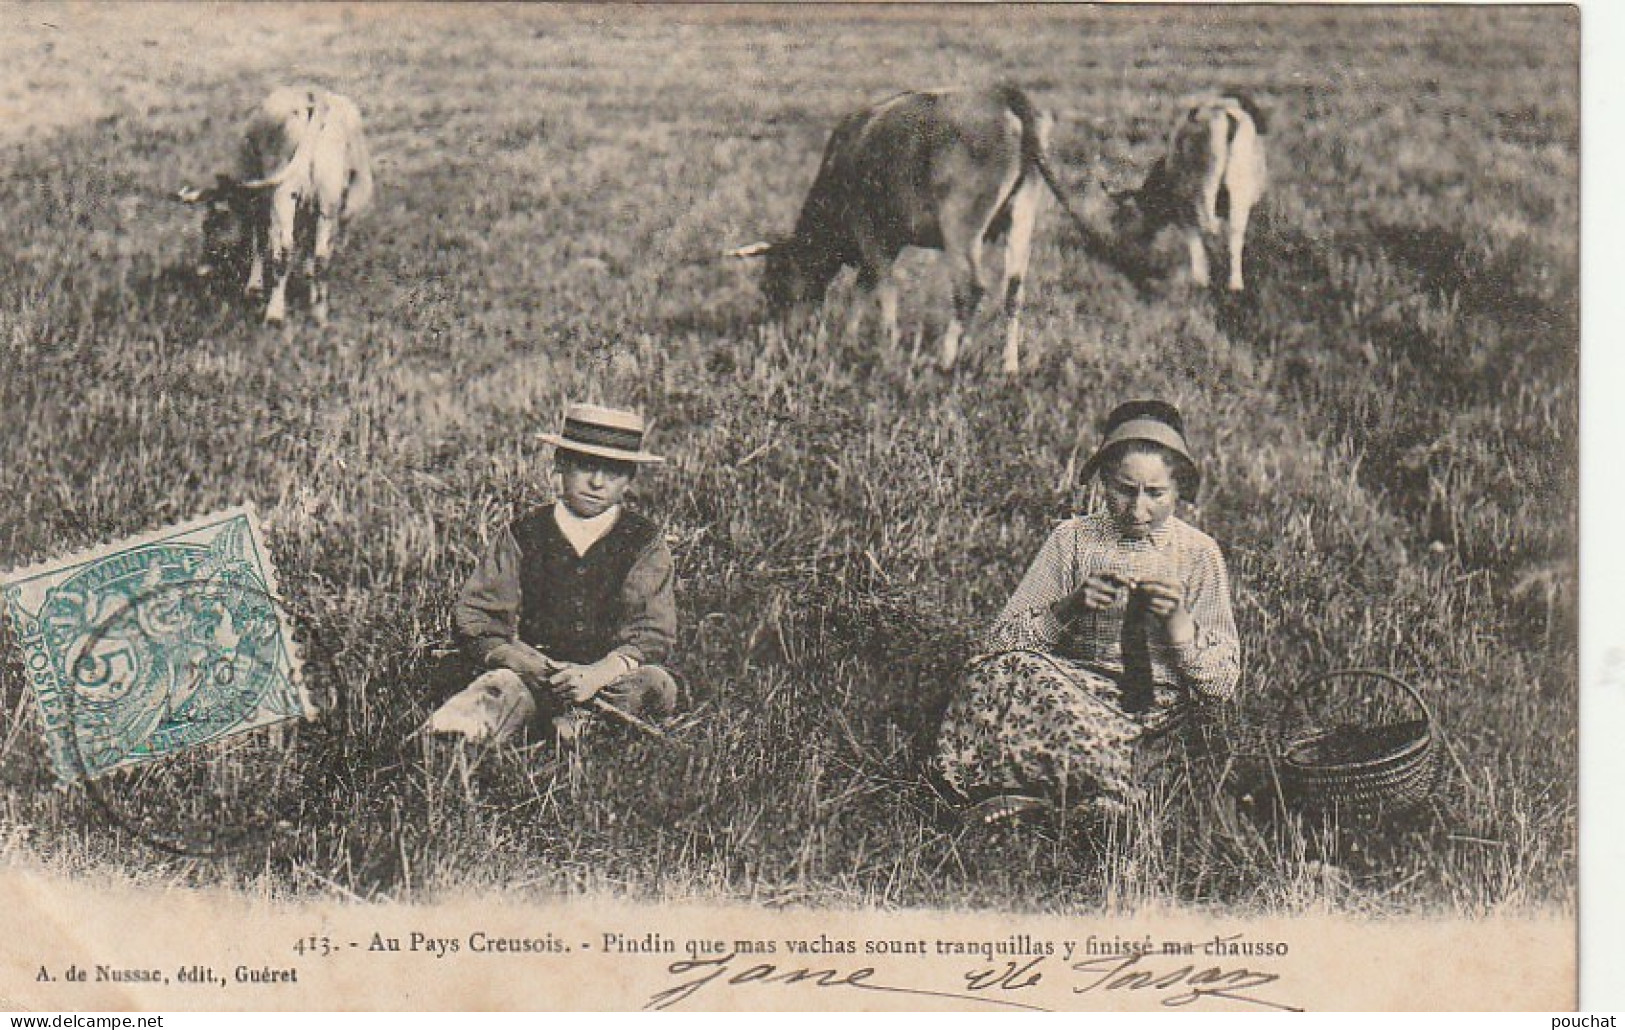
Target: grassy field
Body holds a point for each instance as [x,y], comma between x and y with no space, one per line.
[1388,422]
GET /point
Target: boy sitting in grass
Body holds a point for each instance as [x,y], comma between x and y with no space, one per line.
[573,604]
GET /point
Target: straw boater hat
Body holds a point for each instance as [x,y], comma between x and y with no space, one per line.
[603,433]
[1150,422]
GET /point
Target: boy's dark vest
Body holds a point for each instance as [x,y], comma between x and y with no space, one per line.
[571,608]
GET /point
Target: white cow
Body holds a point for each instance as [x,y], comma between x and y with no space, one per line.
[303,172]
[1214,171]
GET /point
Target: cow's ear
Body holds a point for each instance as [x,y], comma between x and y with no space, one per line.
[758,249]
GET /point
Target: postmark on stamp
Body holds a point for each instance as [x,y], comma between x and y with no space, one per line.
[145,648]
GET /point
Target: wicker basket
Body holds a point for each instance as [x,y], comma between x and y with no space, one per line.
[1358,770]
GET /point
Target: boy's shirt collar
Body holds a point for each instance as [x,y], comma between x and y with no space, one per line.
[583,533]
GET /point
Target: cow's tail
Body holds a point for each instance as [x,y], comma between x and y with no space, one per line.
[315,116]
[1245,101]
[277,178]
[1033,154]
[1054,184]
[268,183]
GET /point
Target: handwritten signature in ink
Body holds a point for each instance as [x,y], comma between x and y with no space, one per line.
[1192,983]
[984,985]
[724,972]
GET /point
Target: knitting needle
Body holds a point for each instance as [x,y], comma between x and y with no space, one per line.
[628,718]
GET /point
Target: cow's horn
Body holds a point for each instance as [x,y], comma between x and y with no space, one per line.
[189,195]
[749,250]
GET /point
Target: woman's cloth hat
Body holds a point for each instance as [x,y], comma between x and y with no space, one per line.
[603,433]
[1148,422]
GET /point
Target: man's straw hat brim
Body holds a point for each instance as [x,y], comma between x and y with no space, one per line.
[603,433]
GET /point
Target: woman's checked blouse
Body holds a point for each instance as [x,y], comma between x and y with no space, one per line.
[1210,665]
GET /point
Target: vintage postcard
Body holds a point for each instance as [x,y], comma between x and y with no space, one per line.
[854,507]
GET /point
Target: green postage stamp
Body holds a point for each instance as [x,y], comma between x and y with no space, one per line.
[147,647]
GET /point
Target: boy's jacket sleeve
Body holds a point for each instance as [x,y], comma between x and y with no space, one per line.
[487,610]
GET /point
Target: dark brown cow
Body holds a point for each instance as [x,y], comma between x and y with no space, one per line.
[944,170]
[303,172]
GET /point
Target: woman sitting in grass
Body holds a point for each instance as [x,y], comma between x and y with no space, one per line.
[1120,623]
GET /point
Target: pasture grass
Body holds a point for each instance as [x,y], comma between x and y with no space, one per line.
[1387,422]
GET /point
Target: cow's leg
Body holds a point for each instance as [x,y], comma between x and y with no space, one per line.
[321,257]
[1193,241]
[968,292]
[284,206]
[1017,250]
[875,284]
[1207,213]
[950,342]
[306,249]
[1238,240]
[1245,181]
[963,252]
[868,279]
[255,286]
[886,293]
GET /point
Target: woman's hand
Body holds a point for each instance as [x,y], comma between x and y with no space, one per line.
[1166,601]
[1099,591]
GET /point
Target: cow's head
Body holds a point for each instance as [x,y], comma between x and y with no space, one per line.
[1131,222]
[1097,210]
[1119,228]
[229,208]
[1144,212]
[795,275]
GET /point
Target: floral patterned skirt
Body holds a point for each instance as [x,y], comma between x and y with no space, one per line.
[1027,722]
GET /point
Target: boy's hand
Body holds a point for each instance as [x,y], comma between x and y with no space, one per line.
[579,683]
[532,666]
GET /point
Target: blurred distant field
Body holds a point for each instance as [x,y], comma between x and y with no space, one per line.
[1387,420]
